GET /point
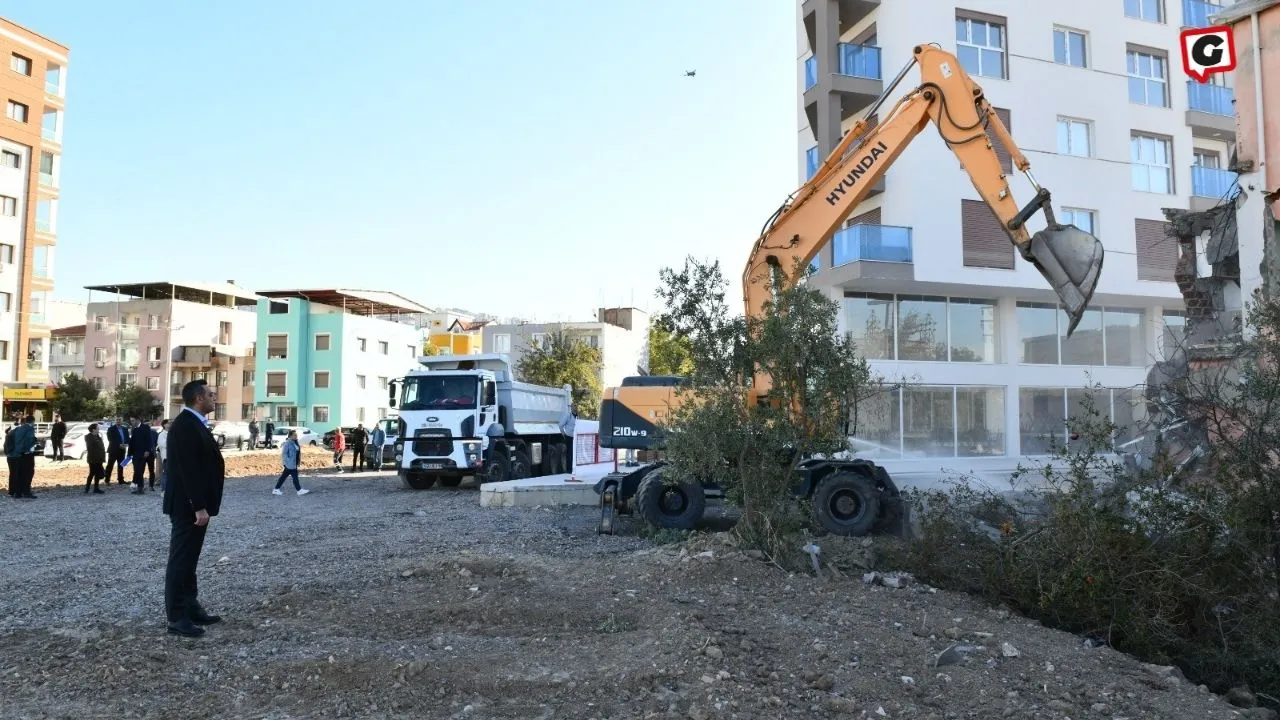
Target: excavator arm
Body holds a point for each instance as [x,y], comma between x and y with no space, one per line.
[1069,258]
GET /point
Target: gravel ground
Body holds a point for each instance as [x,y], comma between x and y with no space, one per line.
[367,600]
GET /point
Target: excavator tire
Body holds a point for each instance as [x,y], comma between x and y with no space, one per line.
[675,505]
[847,504]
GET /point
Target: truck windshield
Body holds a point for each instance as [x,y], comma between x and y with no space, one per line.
[443,393]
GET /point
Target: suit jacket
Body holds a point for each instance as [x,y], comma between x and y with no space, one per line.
[21,442]
[140,442]
[117,437]
[196,469]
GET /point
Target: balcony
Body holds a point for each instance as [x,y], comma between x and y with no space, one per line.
[856,81]
[810,72]
[47,180]
[1195,13]
[875,243]
[50,134]
[1211,111]
[811,163]
[199,355]
[1210,186]
[851,12]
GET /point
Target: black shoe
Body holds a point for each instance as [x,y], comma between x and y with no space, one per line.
[28,496]
[200,617]
[96,491]
[186,628]
[86,490]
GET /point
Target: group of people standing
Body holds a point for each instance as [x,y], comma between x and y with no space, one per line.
[133,442]
[360,440]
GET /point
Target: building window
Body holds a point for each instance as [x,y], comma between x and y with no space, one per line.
[359,414]
[53,79]
[1074,137]
[933,421]
[4,351]
[1149,10]
[278,307]
[382,413]
[220,378]
[129,379]
[920,319]
[1105,337]
[246,411]
[538,340]
[17,111]
[362,344]
[984,242]
[100,355]
[321,380]
[1151,163]
[1206,159]
[1083,219]
[1148,79]
[502,343]
[383,382]
[153,353]
[10,159]
[1068,47]
[246,378]
[384,347]
[220,411]
[1157,252]
[980,46]
[360,382]
[1175,328]
[6,302]
[100,323]
[1043,414]
[320,414]
[98,384]
[414,352]
[153,322]
[20,64]
[153,383]
[275,384]
[277,347]
[224,332]
[322,341]
[8,206]
[940,329]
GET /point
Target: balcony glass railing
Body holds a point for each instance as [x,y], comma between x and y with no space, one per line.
[47,180]
[53,88]
[810,72]
[1195,13]
[861,61]
[1214,99]
[49,133]
[811,162]
[40,270]
[879,243]
[44,226]
[1212,182]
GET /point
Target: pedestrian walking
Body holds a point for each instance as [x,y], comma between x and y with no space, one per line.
[270,429]
[253,434]
[141,448]
[95,453]
[151,459]
[377,439]
[196,477]
[20,451]
[117,440]
[339,448]
[57,433]
[290,457]
[359,439]
[162,450]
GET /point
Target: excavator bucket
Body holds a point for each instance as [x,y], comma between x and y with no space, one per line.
[1071,260]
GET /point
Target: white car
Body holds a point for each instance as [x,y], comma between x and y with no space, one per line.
[73,446]
[305,436]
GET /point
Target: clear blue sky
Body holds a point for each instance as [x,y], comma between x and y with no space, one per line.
[506,156]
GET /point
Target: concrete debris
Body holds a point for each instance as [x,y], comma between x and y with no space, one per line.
[895,580]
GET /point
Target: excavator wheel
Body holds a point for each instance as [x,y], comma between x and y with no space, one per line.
[847,503]
[676,505]
[608,509]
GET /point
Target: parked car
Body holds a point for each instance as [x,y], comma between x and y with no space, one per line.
[305,436]
[73,445]
[230,434]
[327,438]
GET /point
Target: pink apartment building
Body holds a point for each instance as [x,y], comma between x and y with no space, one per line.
[161,335]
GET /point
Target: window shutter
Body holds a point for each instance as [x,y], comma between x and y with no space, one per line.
[1006,160]
[985,242]
[870,217]
[1157,252]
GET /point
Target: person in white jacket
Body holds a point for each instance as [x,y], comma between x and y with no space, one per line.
[162,451]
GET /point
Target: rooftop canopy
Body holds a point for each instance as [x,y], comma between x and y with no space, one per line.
[356,302]
[220,294]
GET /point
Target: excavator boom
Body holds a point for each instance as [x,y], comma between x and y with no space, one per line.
[1069,258]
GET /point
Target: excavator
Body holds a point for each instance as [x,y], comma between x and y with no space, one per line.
[854,496]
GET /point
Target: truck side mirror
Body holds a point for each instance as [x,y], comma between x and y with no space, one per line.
[391,393]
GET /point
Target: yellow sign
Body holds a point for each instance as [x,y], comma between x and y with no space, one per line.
[11,393]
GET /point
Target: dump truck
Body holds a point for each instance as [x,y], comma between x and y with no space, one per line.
[466,416]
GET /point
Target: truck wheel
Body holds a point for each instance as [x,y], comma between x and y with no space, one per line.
[677,505]
[847,504]
[418,481]
[497,470]
[521,466]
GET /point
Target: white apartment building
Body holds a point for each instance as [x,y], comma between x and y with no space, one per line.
[621,334]
[933,291]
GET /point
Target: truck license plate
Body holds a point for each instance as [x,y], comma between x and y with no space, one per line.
[433,466]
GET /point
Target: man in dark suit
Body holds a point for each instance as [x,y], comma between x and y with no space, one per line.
[193,495]
[141,448]
[117,439]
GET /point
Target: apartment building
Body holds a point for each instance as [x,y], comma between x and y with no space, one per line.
[932,290]
[621,334]
[325,357]
[33,86]
[66,354]
[161,335]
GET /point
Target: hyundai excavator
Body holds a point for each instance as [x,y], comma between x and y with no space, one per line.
[853,496]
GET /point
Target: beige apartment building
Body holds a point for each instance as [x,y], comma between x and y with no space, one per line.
[33,89]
